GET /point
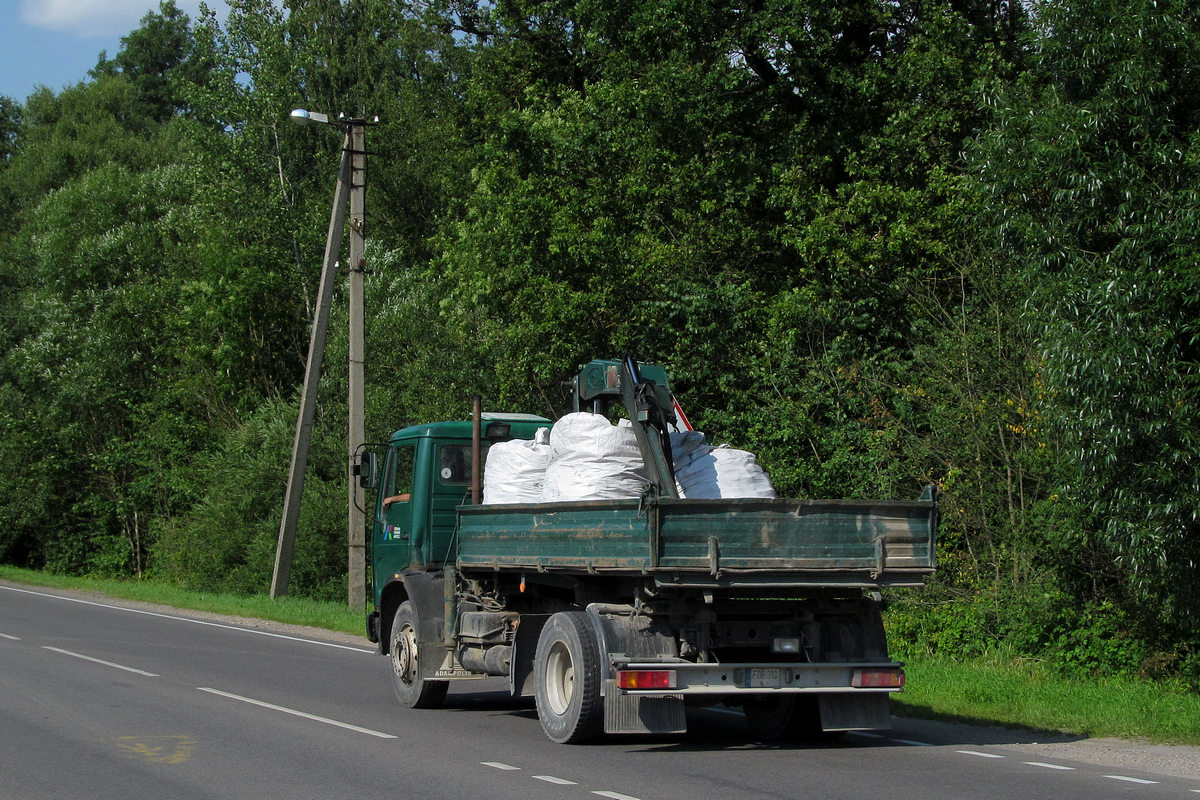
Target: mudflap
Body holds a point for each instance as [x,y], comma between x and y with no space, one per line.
[851,712]
[625,638]
[520,672]
[632,713]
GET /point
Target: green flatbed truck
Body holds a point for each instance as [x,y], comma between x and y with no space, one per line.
[617,614]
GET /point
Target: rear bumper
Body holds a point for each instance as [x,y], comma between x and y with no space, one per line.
[766,678]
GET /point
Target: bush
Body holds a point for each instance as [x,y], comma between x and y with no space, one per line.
[226,543]
[1097,641]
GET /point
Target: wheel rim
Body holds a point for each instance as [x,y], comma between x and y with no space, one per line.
[560,679]
[404,655]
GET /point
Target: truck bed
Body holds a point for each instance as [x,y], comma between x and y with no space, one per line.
[819,543]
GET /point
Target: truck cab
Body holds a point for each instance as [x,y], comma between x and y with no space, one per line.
[425,474]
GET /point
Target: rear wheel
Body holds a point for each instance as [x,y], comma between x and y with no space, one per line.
[786,717]
[567,679]
[411,689]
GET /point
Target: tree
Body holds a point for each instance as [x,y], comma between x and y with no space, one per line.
[10,125]
[157,57]
[1088,177]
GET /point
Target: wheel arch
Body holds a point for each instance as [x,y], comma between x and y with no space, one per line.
[393,594]
[425,590]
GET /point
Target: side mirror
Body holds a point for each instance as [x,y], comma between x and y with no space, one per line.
[367,470]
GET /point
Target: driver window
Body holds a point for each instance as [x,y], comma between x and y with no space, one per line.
[398,482]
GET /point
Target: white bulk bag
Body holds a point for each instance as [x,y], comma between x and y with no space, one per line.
[722,473]
[516,470]
[593,460]
[686,446]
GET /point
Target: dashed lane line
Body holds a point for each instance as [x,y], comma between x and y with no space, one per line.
[10,637]
[1044,765]
[1128,779]
[100,661]
[557,781]
[296,713]
[979,754]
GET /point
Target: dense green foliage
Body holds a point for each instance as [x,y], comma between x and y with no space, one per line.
[880,243]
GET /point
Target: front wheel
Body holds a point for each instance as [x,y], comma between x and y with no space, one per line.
[411,689]
[567,678]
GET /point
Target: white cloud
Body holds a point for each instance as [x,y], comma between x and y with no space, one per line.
[94,17]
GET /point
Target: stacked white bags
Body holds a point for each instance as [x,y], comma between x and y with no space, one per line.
[585,457]
[593,460]
[704,472]
[516,469]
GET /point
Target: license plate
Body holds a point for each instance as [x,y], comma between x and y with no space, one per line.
[766,678]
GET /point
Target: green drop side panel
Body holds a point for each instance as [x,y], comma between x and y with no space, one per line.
[782,536]
[593,535]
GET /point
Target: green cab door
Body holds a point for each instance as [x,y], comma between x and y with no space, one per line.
[393,530]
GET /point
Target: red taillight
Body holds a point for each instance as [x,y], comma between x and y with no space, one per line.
[646,678]
[878,679]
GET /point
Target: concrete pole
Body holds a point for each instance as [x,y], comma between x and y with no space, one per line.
[356,533]
[312,376]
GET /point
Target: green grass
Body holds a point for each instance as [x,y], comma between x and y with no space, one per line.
[994,691]
[292,610]
[1023,693]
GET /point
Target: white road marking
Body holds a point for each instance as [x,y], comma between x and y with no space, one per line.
[296,713]
[913,743]
[100,661]
[1047,766]
[554,780]
[866,734]
[193,621]
[557,781]
[1128,779]
[977,753]
[10,637]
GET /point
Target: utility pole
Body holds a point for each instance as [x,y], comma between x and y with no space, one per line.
[350,191]
[356,435]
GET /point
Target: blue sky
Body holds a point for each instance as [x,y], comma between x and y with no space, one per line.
[54,43]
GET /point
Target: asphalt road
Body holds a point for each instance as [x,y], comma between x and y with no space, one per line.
[105,701]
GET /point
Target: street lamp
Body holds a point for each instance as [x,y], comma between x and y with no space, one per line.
[350,186]
[302,116]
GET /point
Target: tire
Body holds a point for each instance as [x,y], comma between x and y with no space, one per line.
[411,689]
[769,718]
[787,718]
[566,679]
